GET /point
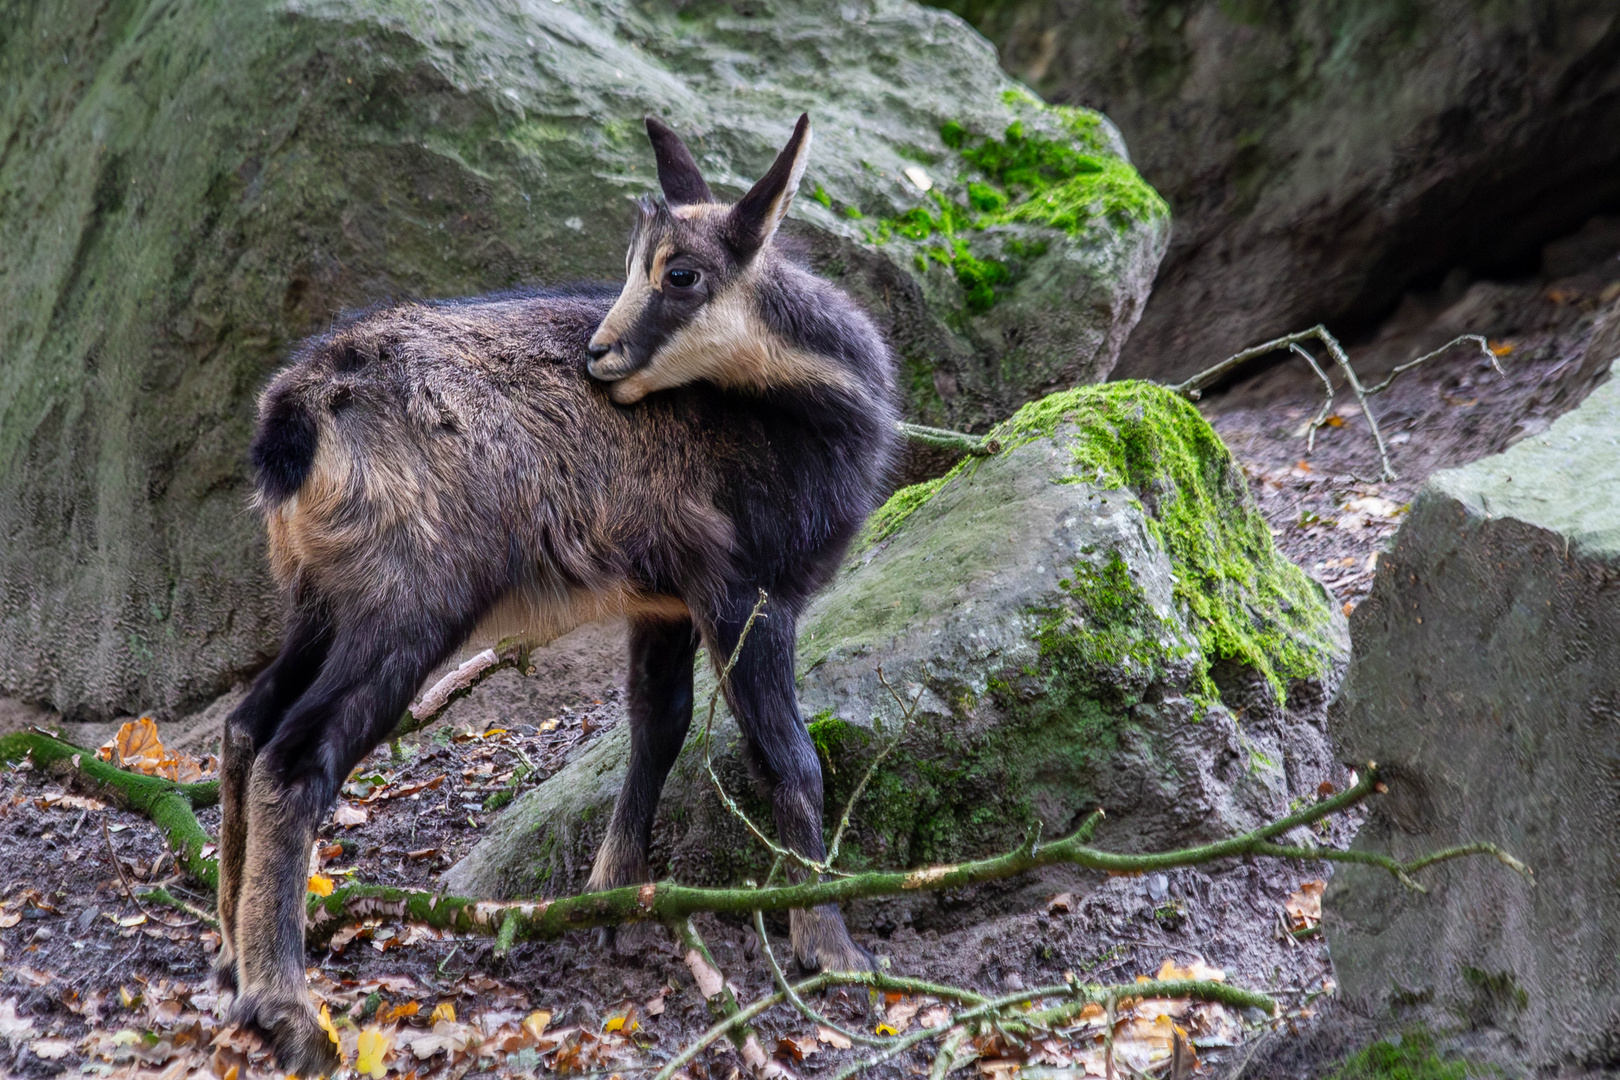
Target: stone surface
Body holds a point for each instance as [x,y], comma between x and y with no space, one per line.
[188,188]
[1486,678]
[1039,607]
[1321,157]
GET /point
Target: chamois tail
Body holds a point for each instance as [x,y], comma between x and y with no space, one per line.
[283,450]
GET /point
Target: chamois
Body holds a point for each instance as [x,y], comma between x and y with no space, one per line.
[537,460]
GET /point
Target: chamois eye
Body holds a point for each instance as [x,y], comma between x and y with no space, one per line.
[683,279]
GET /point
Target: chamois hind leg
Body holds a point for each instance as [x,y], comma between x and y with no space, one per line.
[372,668]
[247,729]
[760,692]
[660,692]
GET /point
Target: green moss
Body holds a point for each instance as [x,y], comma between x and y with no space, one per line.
[901,505]
[1243,600]
[820,195]
[1410,1056]
[1072,182]
[1110,624]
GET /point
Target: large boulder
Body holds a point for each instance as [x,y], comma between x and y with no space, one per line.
[1485,680]
[1081,619]
[1321,157]
[188,187]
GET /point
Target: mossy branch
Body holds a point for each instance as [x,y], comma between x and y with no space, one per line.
[170,806]
[945,439]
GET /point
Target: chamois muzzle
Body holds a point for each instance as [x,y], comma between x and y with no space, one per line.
[609,362]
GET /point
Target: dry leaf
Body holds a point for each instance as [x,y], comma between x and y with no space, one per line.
[397,1012]
[444,1010]
[797,1047]
[12,1026]
[348,816]
[1061,904]
[535,1023]
[138,748]
[1197,969]
[833,1038]
[50,1049]
[1305,907]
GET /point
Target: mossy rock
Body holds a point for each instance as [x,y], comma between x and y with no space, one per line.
[1080,620]
[188,188]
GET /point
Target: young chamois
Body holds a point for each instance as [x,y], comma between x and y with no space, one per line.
[435,470]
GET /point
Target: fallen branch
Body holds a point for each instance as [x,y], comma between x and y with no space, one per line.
[509,653]
[170,806]
[1193,388]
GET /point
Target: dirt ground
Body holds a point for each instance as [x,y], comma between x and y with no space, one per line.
[97,983]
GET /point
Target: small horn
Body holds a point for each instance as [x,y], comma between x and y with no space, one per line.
[677,171]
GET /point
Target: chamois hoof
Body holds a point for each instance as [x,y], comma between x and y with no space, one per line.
[225,971]
[821,942]
[293,1030]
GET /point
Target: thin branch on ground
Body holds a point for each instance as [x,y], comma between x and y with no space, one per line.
[798,1002]
[1193,388]
[118,865]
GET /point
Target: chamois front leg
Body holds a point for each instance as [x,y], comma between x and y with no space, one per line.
[760,693]
[660,692]
[249,727]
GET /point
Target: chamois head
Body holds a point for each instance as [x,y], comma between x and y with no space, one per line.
[687,310]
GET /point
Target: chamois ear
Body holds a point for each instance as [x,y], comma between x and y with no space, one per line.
[677,173]
[754,219]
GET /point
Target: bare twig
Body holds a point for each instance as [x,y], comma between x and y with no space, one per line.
[906,713]
[129,891]
[1194,387]
[736,811]
[798,1002]
[457,684]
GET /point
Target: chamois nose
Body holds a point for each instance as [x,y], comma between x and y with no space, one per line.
[598,351]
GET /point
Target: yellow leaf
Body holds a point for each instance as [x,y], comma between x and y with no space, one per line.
[535,1023]
[372,1059]
[1501,348]
[884,1029]
[397,1012]
[331,1032]
[615,1024]
[444,1010]
[320,885]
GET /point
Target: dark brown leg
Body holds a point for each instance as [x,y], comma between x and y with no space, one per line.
[760,692]
[366,682]
[247,729]
[660,691]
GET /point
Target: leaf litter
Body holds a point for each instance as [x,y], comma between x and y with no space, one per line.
[106,992]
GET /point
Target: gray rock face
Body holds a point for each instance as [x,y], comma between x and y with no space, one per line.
[1035,605]
[1486,677]
[187,189]
[1321,156]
